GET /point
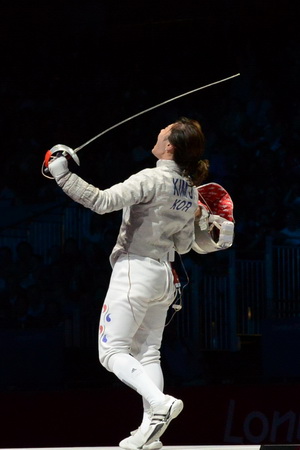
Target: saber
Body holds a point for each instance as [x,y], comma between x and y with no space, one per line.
[68,152]
[153,107]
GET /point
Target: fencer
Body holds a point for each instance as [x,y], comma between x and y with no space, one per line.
[159,206]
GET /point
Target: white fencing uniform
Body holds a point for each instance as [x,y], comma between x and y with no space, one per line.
[159,208]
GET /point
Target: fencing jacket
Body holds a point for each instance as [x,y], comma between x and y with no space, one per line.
[158,205]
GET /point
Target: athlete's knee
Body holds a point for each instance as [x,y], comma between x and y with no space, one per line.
[107,355]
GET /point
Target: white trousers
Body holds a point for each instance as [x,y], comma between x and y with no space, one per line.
[132,322]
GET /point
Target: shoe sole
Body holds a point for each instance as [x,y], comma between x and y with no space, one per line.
[152,446]
[174,411]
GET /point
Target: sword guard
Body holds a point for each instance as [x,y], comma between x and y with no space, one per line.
[58,150]
[62,150]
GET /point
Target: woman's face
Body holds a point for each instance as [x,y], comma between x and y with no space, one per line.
[163,149]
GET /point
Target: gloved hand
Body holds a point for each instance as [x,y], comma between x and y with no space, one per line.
[58,167]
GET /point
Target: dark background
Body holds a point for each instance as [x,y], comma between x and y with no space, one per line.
[71,69]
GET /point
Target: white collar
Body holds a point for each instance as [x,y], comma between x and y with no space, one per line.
[168,163]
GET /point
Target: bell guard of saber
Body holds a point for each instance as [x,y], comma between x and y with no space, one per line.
[64,150]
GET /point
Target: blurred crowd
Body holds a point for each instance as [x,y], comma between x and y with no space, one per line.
[35,294]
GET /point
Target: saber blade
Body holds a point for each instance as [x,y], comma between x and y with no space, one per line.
[153,107]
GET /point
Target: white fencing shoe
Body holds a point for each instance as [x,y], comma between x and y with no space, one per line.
[161,416]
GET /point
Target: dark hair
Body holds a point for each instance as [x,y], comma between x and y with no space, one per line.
[188,141]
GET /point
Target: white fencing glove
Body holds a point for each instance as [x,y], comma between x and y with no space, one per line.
[58,167]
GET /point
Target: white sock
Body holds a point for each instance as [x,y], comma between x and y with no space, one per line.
[132,373]
[155,373]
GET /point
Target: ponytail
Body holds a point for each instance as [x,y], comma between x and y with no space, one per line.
[188,141]
[197,172]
